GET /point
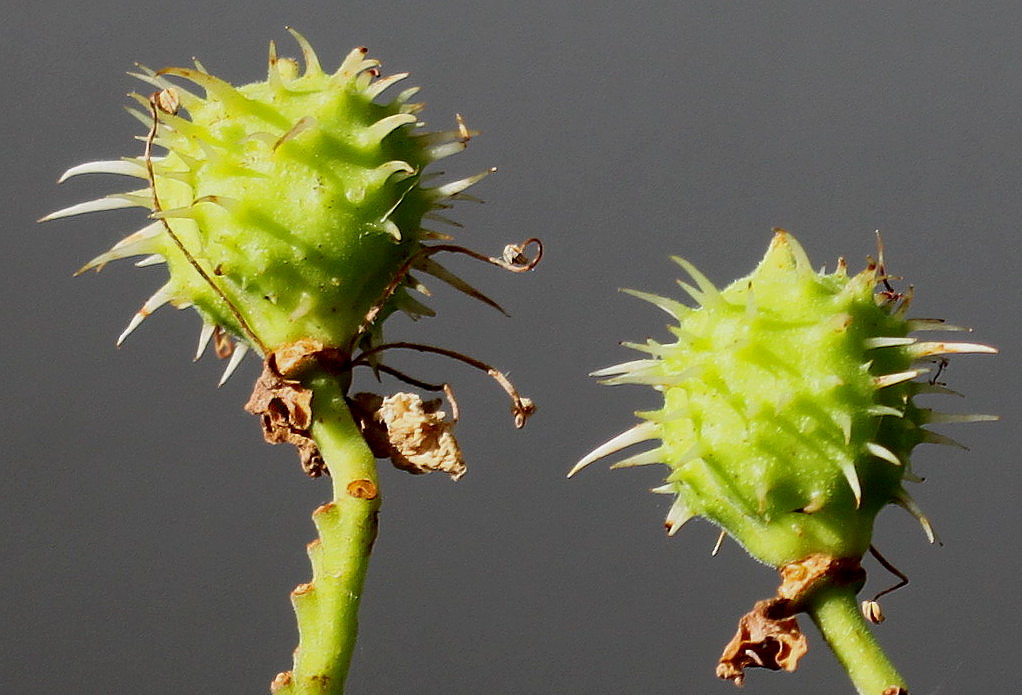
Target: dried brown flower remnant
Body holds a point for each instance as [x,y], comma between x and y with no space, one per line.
[284,408]
[415,435]
[768,637]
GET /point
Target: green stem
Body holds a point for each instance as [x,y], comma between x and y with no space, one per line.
[835,611]
[327,607]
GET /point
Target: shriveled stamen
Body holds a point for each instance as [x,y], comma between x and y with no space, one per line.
[521,407]
[522,264]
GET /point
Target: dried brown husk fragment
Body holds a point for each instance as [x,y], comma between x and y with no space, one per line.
[769,636]
[414,434]
[285,411]
[284,404]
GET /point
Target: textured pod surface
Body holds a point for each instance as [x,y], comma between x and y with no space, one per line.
[284,209]
[789,413]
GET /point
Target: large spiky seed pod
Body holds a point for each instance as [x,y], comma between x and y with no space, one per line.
[290,214]
[789,409]
[284,208]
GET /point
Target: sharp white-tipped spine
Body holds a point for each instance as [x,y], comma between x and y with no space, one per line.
[391,228]
[406,94]
[933,325]
[904,500]
[886,380]
[388,169]
[931,437]
[720,542]
[135,244]
[454,187]
[844,422]
[443,219]
[651,375]
[148,75]
[701,298]
[708,288]
[625,368]
[354,63]
[386,125]
[159,298]
[379,86]
[926,387]
[875,343]
[438,152]
[154,259]
[933,417]
[240,350]
[882,452]
[121,167]
[941,348]
[646,458]
[468,197]
[431,267]
[911,477]
[650,347]
[312,65]
[751,305]
[882,410]
[115,202]
[852,476]
[798,254]
[640,433]
[677,516]
[411,306]
[205,334]
[673,307]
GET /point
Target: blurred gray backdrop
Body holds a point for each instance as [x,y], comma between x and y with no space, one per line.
[150,538]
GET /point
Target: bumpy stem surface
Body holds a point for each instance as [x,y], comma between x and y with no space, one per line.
[327,607]
[836,613]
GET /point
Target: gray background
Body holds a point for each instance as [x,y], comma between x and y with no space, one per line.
[149,537]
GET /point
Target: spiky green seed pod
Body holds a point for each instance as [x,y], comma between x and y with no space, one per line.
[290,215]
[789,405]
[284,209]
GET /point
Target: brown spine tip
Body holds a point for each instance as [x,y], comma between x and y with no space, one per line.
[282,680]
[323,509]
[363,489]
[303,589]
[312,545]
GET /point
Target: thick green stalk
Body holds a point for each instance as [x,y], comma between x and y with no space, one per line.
[327,606]
[835,611]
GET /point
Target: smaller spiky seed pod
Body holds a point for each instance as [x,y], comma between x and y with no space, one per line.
[284,209]
[789,408]
[788,419]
